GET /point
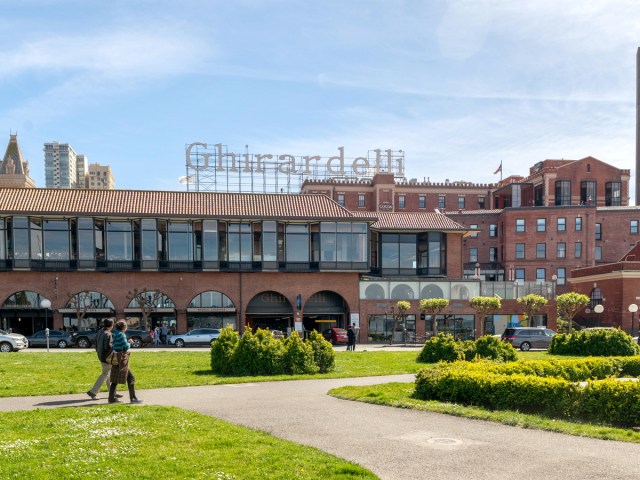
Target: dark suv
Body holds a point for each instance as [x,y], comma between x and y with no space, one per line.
[140,338]
[527,338]
[86,338]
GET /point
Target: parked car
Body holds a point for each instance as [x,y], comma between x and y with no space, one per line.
[197,336]
[526,338]
[278,334]
[10,342]
[335,335]
[57,338]
[140,338]
[86,338]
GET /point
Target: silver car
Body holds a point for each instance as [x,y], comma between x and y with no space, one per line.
[526,338]
[197,336]
[10,342]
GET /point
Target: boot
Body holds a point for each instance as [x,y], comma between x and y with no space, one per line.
[112,393]
[132,394]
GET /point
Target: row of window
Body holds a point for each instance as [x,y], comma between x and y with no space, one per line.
[541,275]
[561,224]
[588,193]
[422,201]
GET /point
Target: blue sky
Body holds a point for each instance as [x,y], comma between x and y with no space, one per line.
[459,86]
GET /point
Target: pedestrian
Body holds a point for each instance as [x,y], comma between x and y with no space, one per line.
[156,335]
[120,371]
[163,331]
[104,350]
[351,337]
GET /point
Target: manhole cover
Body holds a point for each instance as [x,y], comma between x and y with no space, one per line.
[445,441]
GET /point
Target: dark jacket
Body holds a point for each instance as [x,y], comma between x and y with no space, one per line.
[104,344]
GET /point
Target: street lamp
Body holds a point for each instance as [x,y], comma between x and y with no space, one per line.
[633,308]
[554,282]
[599,309]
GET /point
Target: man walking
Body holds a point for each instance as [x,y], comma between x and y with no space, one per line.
[104,347]
[351,337]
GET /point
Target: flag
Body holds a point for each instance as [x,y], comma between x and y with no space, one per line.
[499,169]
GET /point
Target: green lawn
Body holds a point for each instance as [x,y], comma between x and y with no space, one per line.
[119,442]
[42,373]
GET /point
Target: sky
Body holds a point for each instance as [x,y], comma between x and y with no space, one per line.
[458,86]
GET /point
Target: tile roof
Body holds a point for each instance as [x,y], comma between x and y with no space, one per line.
[127,203]
[413,221]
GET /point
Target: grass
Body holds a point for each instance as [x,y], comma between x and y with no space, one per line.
[42,373]
[400,395]
[118,442]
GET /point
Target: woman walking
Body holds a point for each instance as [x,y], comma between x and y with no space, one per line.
[120,371]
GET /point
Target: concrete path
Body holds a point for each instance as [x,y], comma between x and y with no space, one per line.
[394,443]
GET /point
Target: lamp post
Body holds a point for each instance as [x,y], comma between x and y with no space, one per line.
[599,309]
[633,308]
[554,282]
[46,304]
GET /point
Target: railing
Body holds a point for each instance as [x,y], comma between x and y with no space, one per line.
[117,265]
[240,266]
[54,265]
[299,266]
[180,266]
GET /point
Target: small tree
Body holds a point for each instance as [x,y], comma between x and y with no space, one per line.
[568,304]
[81,302]
[147,301]
[433,306]
[484,306]
[402,307]
[532,304]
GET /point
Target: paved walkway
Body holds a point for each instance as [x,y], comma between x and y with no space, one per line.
[394,443]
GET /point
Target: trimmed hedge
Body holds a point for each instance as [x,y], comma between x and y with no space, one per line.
[597,342]
[261,354]
[544,387]
[443,347]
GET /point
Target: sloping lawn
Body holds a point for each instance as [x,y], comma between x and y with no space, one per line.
[120,442]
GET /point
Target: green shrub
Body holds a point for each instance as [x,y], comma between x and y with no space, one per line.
[324,356]
[298,356]
[442,347]
[246,356]
[597,342]
[548,387]
[222,351]
[271,353]
[491,348]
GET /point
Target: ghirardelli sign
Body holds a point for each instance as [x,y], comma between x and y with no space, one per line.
[202,156]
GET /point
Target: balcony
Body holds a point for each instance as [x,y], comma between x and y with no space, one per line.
[180,266]
[54,265]
[240,266]
[117,265]
[299,266]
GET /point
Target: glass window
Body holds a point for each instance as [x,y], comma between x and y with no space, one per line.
[422,201]
[598,253]
[461,202]
[493,254]
[35,235]
[541,225]
[473,254]
[441,201]
[493,230]
[297,243]
[562,276]
[56,240]
[269,242]
[402,201]
[598,231]
[541,274]
[633,226]
[341,199]
[361,203]
[541,250]
[519,275]
[119,241]
[149,239]
[563,192]
[481,203]
[86,249]
[239,242]
[520,225]
[612,194]
[578,249]
[3,236]
[588,192]
[473,227]
[562,224]
[519,250]
[578,224]
[561,250]
[180,241]
[209,240]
